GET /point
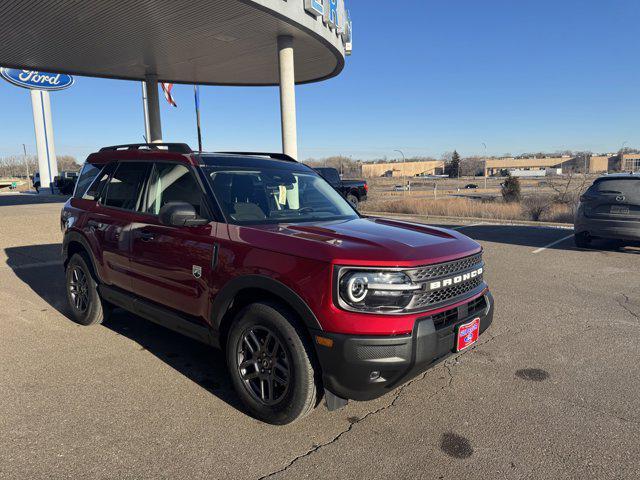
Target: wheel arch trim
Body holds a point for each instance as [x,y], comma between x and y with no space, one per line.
[228,293]
[71,237]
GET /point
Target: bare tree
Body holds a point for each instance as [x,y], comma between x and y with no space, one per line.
[536,206]
[471,167]
[345,165]
[569,188]
[15,166]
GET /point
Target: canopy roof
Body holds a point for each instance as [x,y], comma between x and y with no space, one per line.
[217,42]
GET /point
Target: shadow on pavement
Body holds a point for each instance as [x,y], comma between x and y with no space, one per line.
[538,237]
[200,363]
[13,199]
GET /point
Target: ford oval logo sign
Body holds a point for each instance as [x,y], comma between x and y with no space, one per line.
[36,80]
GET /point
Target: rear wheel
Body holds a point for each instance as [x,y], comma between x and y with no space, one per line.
[271,364]
[87,308]
[582,240]
[353,200]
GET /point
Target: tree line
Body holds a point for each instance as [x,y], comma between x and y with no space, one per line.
[16,166]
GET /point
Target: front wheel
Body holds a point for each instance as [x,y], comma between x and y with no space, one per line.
[271,364]
[87,308]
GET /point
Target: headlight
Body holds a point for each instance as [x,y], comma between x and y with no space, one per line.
[376,290]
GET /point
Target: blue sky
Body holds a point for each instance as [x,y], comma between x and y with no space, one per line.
[425,77]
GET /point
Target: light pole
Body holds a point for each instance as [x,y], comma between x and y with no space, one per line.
[485,165]
[622,154]
[403,161]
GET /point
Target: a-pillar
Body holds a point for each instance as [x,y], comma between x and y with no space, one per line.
[288,96]
[153,109]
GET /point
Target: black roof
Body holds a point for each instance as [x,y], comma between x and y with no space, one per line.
[250,160]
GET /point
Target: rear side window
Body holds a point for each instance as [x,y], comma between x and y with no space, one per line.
[99,183]
[124,189]
[87,176]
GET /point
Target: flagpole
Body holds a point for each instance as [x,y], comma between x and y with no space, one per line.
[196,96]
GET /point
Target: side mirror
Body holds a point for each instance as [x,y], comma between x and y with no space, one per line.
[180,214]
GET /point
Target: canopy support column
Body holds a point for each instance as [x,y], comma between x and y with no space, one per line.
[153,109]
[288,96]
[47,162]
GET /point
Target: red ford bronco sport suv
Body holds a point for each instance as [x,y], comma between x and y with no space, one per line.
[258,255]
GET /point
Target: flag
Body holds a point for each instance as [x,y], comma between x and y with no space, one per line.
[166,89]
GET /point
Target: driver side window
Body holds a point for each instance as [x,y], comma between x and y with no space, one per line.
[172,182]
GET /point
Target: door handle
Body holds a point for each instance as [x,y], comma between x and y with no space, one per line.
[147,236]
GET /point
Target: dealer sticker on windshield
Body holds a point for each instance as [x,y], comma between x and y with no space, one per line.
[468,334]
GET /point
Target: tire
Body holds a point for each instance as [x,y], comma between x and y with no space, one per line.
[249,348]
[353,200]
[85,304]
[582,240]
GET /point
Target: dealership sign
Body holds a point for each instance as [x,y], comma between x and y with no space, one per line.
[335,16]
[36,80]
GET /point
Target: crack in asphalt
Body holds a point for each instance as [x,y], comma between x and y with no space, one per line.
[447,366]
[624,306]
[315,448]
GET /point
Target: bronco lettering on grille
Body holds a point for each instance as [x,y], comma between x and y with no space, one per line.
[447,282]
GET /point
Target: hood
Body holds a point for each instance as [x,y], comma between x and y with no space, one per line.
[362,241]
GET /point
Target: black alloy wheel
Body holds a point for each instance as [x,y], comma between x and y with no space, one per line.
[271,363]
[264,365]
[78,286]
[85,304]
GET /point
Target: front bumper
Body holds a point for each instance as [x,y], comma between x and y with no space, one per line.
[367,367]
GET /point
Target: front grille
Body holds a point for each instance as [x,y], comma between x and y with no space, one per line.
[429,272]
[445,318]
[451,316]
[427,299]
[477,305]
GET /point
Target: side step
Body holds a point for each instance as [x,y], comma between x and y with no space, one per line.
[163,316]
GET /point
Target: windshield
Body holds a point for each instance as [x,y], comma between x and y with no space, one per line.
[263,196]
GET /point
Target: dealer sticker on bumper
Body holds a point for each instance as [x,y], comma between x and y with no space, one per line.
[468,334]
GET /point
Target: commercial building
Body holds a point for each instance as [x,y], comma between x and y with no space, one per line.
[495,166]
[631,162]
[403,169]
[593,164]
[601,164]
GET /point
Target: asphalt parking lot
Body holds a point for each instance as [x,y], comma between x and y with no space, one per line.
[551,391]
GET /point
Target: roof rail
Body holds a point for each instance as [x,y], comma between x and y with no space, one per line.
[276,156]
[169,147]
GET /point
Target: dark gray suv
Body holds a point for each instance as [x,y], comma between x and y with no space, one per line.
[609,209]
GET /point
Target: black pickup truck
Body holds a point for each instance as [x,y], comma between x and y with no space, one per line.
[355,191]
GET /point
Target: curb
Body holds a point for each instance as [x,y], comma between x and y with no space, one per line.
[488,221]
